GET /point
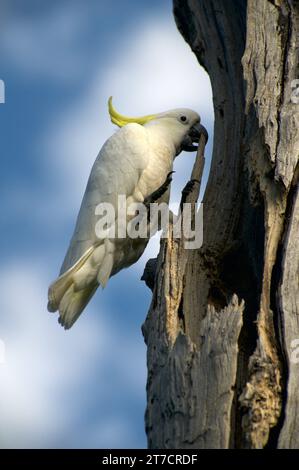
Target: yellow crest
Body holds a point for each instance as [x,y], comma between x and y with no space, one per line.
[121,120]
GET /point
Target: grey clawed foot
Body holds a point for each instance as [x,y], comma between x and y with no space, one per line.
[187,190]
[168,178]
[157,194]
[160,191]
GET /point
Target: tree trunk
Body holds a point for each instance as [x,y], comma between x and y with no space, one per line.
[224,319]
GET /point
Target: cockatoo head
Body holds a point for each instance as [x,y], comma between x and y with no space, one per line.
[181,125]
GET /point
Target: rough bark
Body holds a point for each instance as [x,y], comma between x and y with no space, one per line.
[223,319]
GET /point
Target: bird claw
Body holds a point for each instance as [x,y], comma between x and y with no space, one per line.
[169,177]
[188,189]
[160,191]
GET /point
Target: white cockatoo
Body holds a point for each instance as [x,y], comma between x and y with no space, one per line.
[136,161]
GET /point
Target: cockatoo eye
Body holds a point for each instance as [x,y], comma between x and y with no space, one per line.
[183,118]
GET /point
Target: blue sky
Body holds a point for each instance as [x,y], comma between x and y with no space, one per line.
[61,60]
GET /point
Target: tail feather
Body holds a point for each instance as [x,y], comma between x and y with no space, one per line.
[86,275]
[71,291]
[106,267]
[57,291]
[73,303]
[105,270]
[58,288]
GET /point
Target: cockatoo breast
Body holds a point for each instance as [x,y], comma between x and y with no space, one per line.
[160,161]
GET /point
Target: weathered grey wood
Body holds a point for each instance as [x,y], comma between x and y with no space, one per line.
[250,247]
[203,23]
[183,377]
[288,298]
[186,376]
[270,64]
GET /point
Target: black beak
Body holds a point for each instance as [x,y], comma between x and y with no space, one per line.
[193,136]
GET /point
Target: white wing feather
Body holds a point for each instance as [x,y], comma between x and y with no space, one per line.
[116,170]
[87,263]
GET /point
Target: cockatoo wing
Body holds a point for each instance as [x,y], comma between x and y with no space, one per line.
[89,261]
[116,170]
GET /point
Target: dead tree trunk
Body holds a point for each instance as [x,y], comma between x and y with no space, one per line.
[224,319]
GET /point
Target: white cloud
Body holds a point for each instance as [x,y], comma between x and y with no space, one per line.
[153,71]
[156,71]
[45,366]
[42,362]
